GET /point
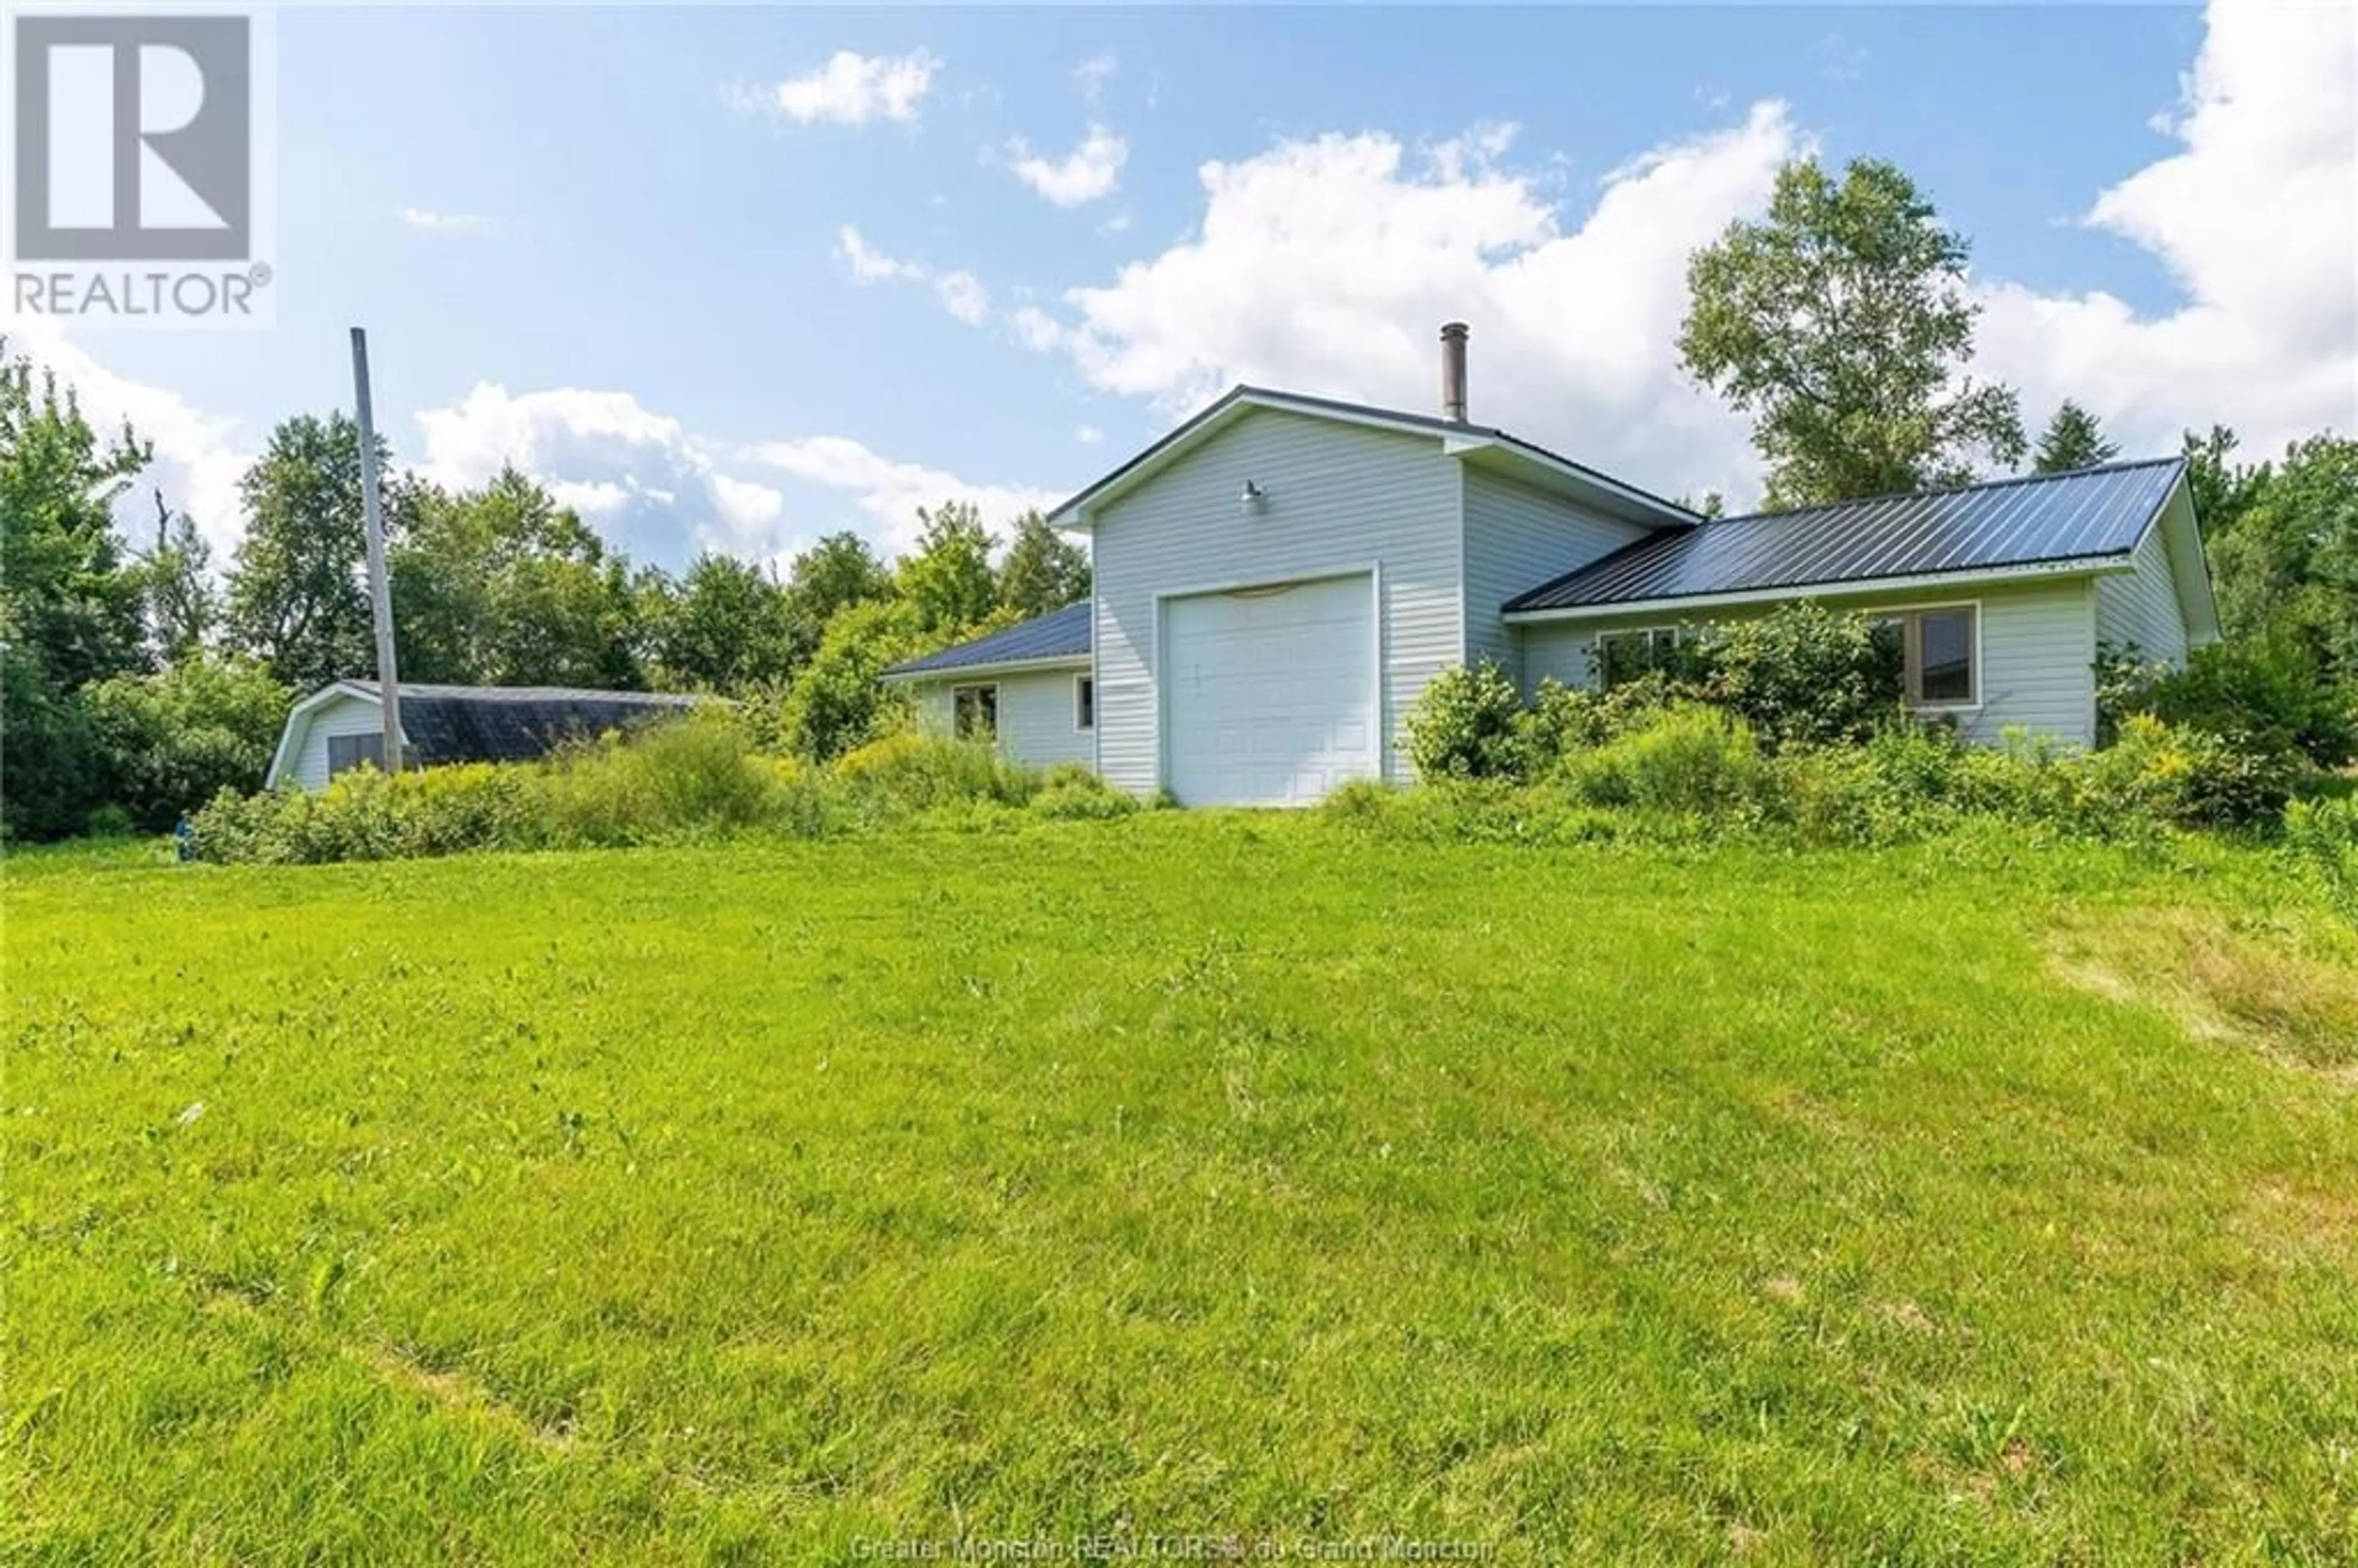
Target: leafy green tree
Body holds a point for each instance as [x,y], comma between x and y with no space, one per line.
[2072,439]
[171,742]
[947,581]
[502,585]
[181,607]
[66,598]
[299,596]
[725,626]
[1042,571]
[2286,564]
[836,701]
[2223,490]
[1843,325]
[68,607]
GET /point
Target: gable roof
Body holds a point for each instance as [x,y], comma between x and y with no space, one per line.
[1457,439]
[487,723]
[1059,637]
[2086,519]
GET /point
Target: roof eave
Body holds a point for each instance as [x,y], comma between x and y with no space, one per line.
[1960,576]
[992,667]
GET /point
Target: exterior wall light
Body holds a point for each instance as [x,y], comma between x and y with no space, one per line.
[1253,498]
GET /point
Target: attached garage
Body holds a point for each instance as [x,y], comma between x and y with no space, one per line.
[1271,695]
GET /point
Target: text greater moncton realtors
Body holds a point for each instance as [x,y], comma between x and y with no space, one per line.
[138,294]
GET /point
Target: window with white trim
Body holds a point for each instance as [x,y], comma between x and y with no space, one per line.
[346,753]
[1640,651]
[974,712]
[1085,703]
[1939,655]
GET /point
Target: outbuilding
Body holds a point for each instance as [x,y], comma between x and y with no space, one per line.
[341,725]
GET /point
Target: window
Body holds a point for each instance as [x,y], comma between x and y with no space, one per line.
[346,753]
[1085,703]
[975,709]
[1625,656]
[1934,652]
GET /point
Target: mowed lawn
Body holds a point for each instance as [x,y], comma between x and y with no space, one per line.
[1242,1176]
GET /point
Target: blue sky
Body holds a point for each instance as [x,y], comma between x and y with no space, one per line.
[610,244]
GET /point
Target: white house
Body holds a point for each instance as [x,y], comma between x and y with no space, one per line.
[340,726]
[1278,578]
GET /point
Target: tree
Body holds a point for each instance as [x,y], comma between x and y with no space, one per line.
[947,579]
[180,606]
[298,598]
[68,609]
[2221,489]
[837,702]
[1042,571]
[2286,562]
[501,586]
[66,599]
[1841,324]
[829,578]
[2072,439]
[724,627]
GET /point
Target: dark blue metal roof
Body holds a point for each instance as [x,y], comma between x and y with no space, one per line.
[517,723]
[2088,513]
[1059,634]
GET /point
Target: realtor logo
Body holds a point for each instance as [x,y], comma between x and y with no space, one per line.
[133,140]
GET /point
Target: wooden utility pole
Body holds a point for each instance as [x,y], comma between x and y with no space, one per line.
[389,679]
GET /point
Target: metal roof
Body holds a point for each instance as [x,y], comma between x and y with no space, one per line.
[1060,634]
[2088,514]
[515,723]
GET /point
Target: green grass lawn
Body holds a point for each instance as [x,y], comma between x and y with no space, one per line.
[1969,1203]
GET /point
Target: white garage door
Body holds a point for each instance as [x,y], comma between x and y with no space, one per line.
[1270,694]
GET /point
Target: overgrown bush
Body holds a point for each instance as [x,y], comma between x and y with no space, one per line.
[696,773]
[1563,720]
[1071,792]
[1690,761]
[911,771]
[1463,725]
[171,742]
[1804,675]
[2265,697]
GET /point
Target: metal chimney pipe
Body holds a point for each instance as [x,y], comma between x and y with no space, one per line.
[1452,372]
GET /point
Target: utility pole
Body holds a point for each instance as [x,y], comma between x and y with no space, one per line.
[388,679]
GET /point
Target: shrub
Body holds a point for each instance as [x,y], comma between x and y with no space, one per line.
[1692,760]
[2321,836]
[1803,675]
[1564,720]
[909,771]
[689,774]
[2265,697]
[168,743]
[1463,725]
[1069,791]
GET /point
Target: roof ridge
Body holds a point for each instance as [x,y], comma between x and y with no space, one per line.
[2009,480]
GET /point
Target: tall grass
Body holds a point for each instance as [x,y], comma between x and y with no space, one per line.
[694,779]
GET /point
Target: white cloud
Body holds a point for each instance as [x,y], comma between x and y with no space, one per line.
[1326,265]
[199,457]
[889,492]
[849,90]
[434,222]
[1087,435]
[624,467]
[1088,172]
[1092,75]
[962,293]
[2253,217]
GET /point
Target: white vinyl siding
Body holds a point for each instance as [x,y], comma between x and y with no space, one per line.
[1337,498]
[2038,644]
[1036,713]
[344,715]
[2141,607]
[1517,538]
